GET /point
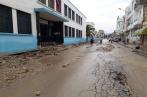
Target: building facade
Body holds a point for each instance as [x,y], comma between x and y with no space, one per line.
[75,29]
[134,15]
[120,25]
[100,34]
[27,24]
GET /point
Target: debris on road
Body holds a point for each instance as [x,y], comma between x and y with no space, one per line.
[65,65]
[18,66]
[37,93]
[105,48]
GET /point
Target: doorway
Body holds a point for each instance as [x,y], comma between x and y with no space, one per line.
[50,33]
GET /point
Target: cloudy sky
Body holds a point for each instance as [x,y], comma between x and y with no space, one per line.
[102,12]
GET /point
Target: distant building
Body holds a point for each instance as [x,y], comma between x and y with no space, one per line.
[100,34]
[120,25]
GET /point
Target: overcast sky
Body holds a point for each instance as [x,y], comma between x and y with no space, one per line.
[102,12]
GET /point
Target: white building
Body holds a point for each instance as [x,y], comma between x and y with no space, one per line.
[120,25]
[133,19]
[100,34]
[26,24]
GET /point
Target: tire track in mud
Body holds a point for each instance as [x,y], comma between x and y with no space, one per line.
[110,79]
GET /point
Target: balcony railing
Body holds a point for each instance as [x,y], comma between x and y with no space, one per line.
[51,3]
[141,2]
[43,1]
[54,4]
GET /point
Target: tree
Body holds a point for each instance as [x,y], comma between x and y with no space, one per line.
[90,31]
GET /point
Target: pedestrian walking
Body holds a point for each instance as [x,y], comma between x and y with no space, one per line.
[91,41]
[101,41]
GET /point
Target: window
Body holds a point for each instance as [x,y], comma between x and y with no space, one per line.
[69,13]
[81,33]
[81,21]
[73,32]
[65,9]
[6,24]
[66,31]
[70,33]
[77,33]
[58,5]
[77,18]
[43,1]
[51,3]
[73,15]
[24,23]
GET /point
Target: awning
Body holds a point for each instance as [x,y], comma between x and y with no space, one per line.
[52,13]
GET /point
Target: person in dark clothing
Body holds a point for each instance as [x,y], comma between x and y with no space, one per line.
[91,41]
[101,41]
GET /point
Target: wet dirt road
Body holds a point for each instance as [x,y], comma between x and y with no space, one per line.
[81,72]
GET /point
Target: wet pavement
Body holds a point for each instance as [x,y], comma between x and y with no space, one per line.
[85,71]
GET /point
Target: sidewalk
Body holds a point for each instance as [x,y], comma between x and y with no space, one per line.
[139,51]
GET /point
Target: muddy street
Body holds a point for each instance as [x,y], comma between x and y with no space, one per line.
[83,71]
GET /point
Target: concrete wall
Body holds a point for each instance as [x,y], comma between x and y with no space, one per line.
[10,43]
[69,41]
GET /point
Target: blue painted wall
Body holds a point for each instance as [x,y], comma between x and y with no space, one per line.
[11,43]
[69,41]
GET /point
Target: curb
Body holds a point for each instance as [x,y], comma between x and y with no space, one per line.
[139,52]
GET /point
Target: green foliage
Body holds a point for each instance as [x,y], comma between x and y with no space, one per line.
[89,30]
[144,31]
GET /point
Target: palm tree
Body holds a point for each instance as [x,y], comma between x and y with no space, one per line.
[89,31]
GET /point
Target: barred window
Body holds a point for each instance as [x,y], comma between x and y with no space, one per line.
[73,32]
[65,9]
[73,15]
[69,13]
[6,24]
[66,31]
[70,32]
[24,23]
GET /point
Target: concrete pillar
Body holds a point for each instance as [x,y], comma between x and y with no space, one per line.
[14,17]
[33,21]
[46,2]
[55,8]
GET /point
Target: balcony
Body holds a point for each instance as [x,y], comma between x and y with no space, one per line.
[49,3]
[141,2]
[43,1]
[54,4]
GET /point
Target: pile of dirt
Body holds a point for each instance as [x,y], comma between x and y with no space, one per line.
[106,48]
[15,67]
